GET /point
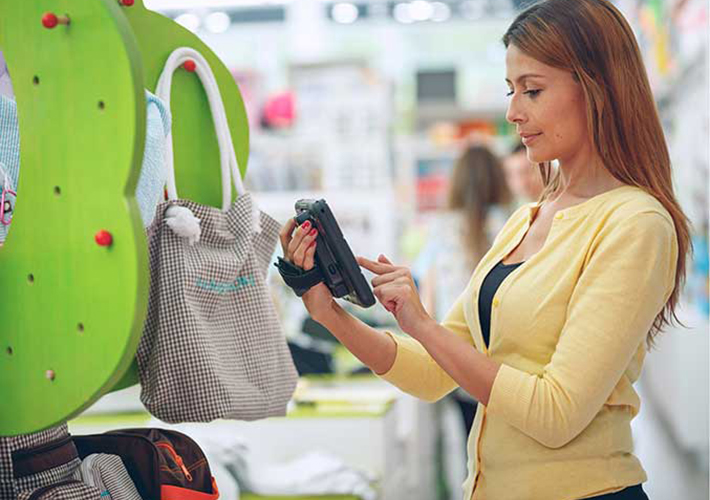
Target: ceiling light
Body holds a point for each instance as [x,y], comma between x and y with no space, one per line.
[189,21]
[442,12]
[217,22]
[421,10]
[402,13]
[344,13]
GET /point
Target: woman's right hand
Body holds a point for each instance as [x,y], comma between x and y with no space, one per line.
[299,249]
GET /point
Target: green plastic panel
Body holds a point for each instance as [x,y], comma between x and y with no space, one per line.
[72,311]
[197,167]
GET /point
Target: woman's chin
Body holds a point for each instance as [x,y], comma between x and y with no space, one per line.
[536,156]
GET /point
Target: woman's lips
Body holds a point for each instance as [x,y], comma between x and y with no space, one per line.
[528,139]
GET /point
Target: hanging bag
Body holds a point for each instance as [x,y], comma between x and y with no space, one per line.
[212,345]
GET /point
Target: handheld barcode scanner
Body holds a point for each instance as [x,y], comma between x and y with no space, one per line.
[335,264]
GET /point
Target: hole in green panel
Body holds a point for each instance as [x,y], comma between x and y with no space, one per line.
[102,105]
[31,278]
[80,327]
[9,350]
[50,375]
[35,80]
[57,190]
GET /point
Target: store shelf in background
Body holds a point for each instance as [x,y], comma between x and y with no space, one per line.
[362,215]
[678,393]
[430,113]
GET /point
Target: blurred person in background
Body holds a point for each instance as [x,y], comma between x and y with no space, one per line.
[552,329]
[522,176]
[478,204]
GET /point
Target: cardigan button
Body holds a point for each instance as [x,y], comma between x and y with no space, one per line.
[559,216]
[496,302]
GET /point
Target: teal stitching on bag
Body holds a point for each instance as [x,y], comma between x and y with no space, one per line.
[224,287]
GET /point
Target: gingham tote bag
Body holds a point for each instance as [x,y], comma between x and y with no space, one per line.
[212,345]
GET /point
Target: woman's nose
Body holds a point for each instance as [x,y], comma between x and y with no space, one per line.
[515,113]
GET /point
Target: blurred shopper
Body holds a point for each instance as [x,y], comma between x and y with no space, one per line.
[551,331]
[479,203]
[477,207]
[522,176]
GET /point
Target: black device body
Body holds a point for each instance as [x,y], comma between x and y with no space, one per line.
[334,258]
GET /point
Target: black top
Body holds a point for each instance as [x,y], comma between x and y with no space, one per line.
[489,287]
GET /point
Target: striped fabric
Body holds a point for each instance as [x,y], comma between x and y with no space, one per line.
[9,153]
[149,191]
[5,82]
[108,474]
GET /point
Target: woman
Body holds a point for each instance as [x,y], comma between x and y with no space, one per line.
[550,334]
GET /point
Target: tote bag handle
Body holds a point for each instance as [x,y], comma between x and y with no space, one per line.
[228,158]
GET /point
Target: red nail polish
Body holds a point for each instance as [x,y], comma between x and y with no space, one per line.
[312,243]
[313,231]
[306,225]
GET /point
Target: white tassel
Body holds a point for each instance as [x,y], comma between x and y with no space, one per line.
[183,223]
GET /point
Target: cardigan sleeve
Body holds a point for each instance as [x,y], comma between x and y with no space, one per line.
[414,370]
[629,275]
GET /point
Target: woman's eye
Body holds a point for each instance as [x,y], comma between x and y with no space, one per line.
[532,93]
[510,93]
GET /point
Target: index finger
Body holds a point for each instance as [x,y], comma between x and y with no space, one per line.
[286,231]
[375,267]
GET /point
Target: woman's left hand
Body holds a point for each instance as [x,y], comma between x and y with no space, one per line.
[394,288]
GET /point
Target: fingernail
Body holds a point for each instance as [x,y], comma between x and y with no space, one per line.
[306,225]
[313,231]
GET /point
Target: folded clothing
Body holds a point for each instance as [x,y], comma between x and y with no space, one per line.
[315,473]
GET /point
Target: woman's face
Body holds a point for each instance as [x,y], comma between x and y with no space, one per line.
[547,107]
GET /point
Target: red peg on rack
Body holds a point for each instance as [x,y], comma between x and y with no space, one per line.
[190,66]
[103,238]
[126,3]
[50,20]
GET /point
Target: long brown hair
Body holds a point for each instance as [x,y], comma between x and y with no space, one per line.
[591,39]
[477,184]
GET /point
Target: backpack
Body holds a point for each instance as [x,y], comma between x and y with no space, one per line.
[163,464]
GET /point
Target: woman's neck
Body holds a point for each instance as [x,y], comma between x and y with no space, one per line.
[581,179]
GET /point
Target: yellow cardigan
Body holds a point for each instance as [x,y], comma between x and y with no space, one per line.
[569,327]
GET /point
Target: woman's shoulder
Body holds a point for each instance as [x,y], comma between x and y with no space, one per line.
[632,203]
[632,214]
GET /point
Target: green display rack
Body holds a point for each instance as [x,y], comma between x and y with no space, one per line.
[72,310]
